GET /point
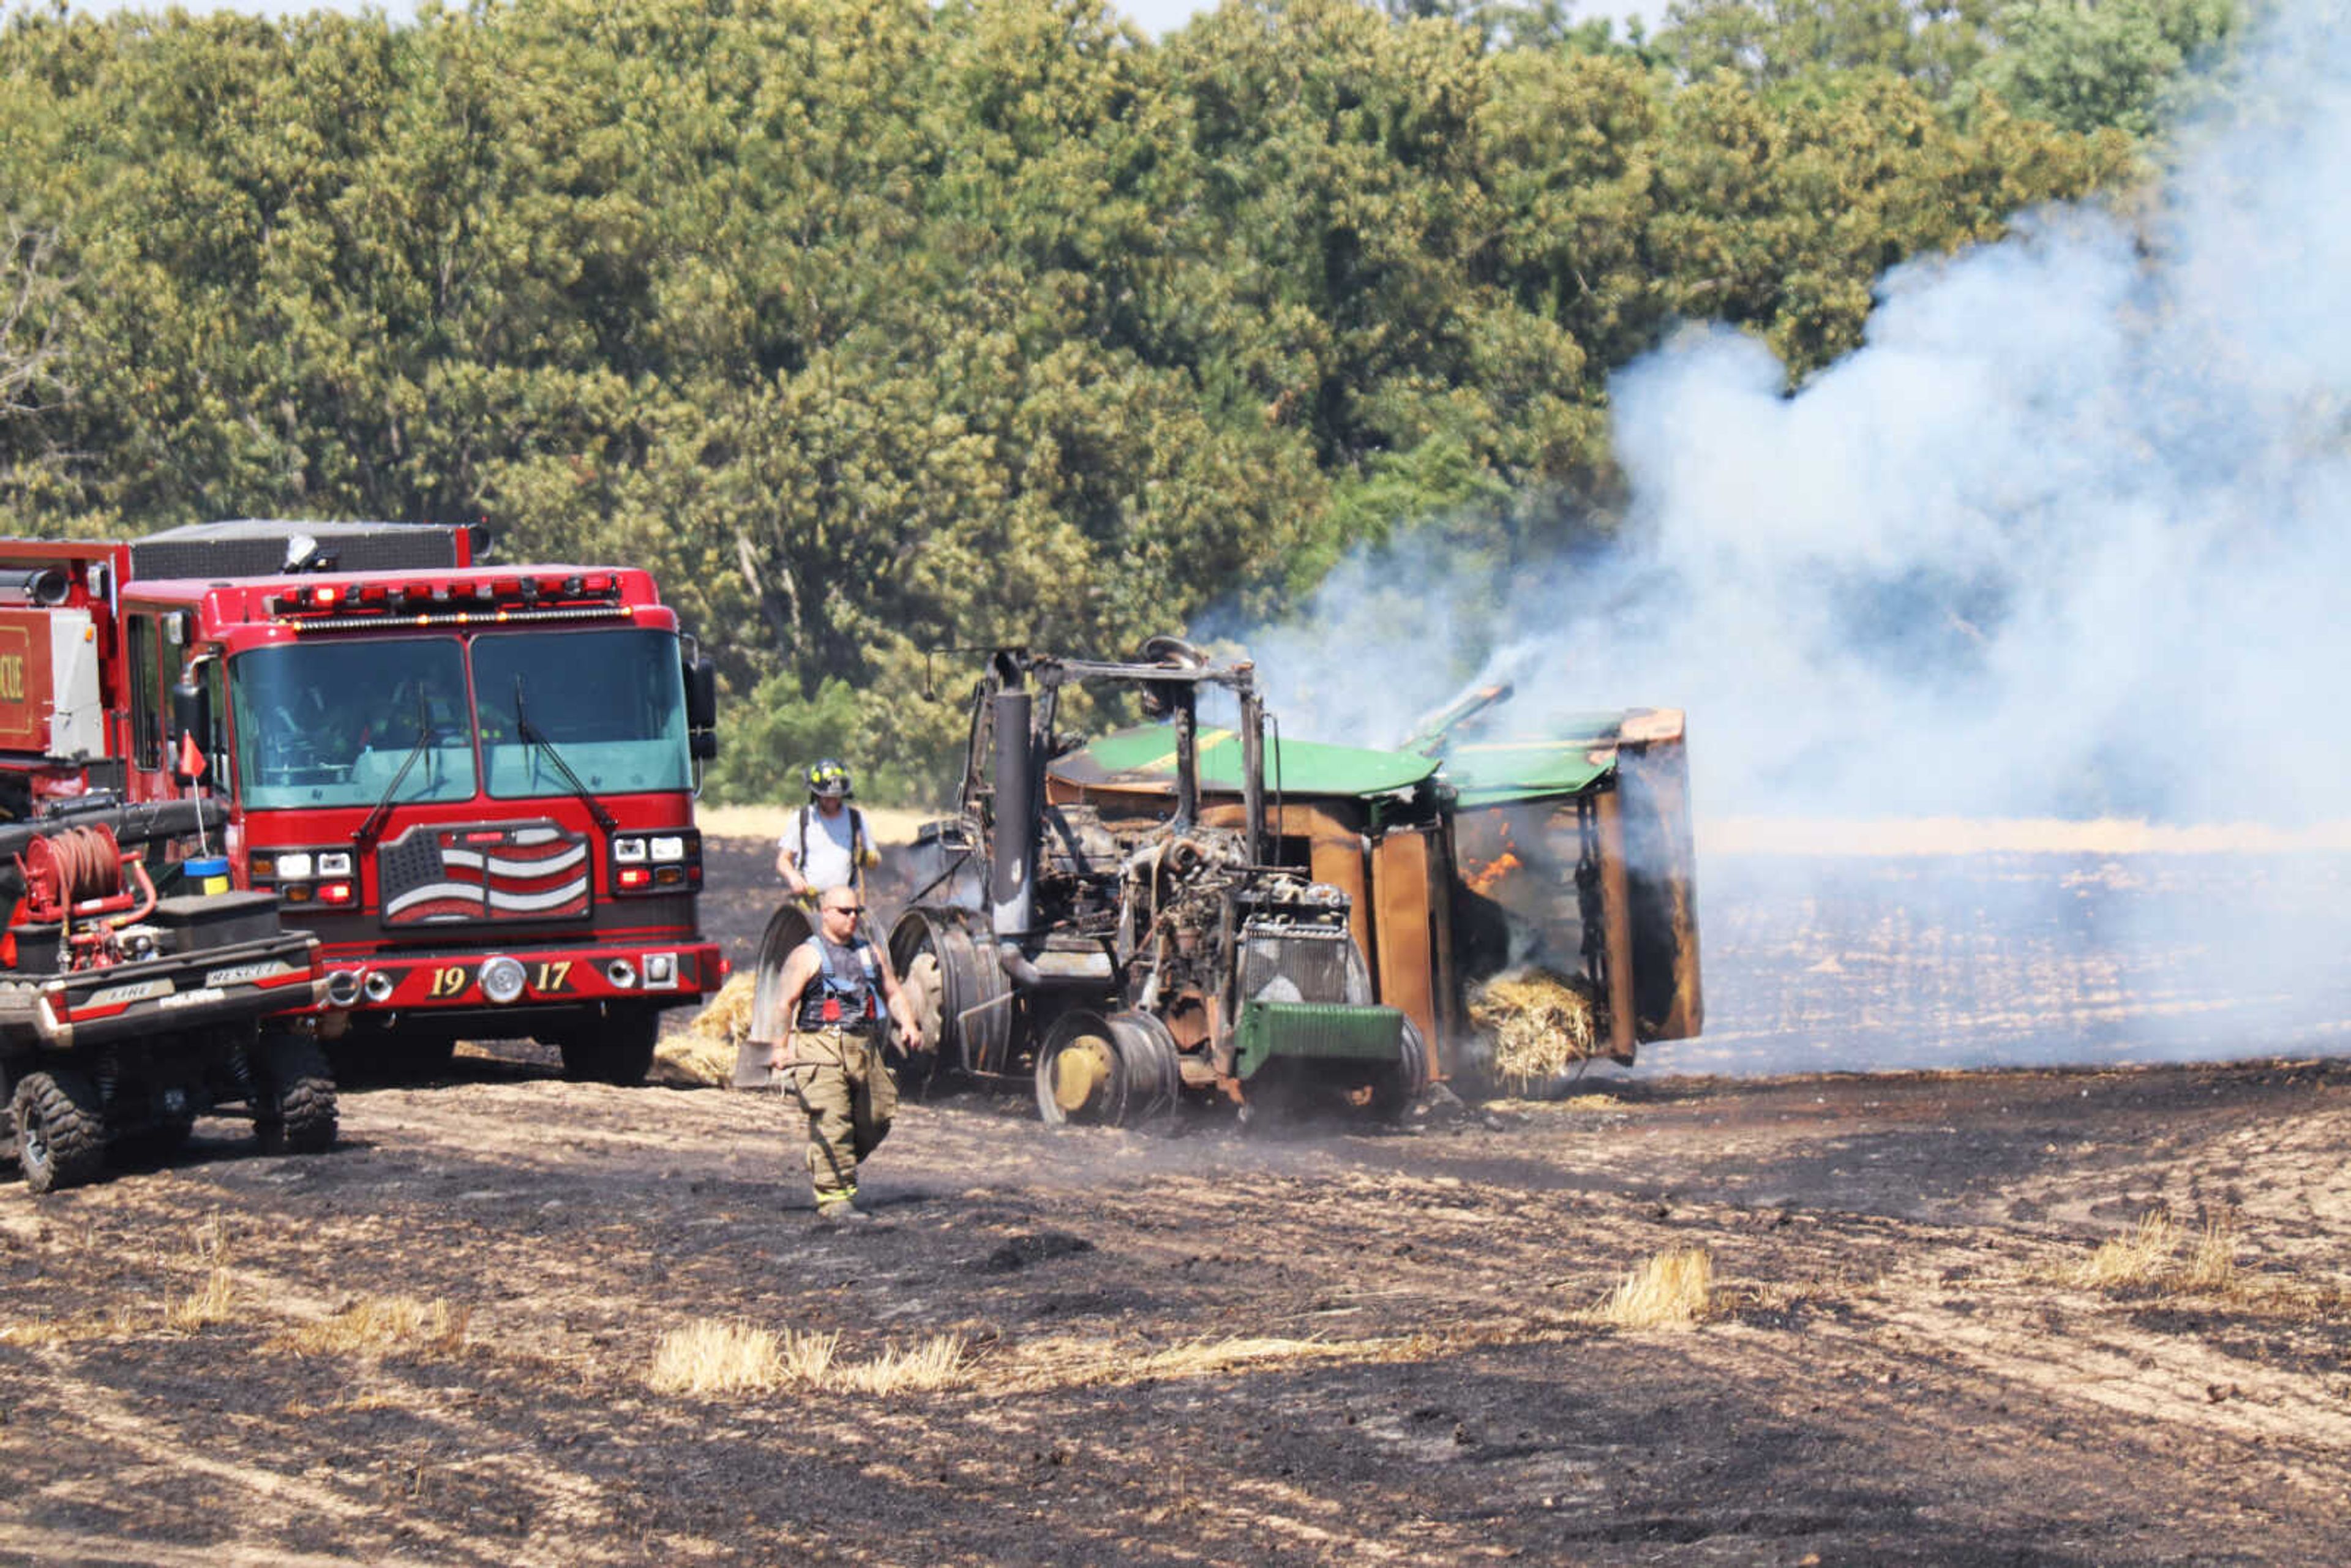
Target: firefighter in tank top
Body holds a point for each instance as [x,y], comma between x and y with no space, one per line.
[835,987]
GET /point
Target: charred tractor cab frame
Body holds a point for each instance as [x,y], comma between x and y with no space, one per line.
[1122,963]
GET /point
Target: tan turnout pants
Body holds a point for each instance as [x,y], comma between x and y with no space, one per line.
[839,1084]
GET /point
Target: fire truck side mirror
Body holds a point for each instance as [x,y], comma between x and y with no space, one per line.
[701,706]
[192,714]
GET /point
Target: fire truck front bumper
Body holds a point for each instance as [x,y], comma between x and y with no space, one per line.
[526,980]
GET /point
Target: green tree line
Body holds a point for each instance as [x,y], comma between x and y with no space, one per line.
[877,327]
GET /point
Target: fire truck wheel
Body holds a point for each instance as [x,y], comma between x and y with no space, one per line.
[293,1099]
[60,1129]
[1400,1090]
[616,1048]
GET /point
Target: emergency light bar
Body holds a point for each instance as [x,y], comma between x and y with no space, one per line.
[372,603]
[306,624]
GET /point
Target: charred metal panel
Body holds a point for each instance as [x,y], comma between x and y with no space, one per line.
[1401,886]
[1616,924]
[1661,873]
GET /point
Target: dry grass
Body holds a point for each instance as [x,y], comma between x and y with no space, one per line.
[208,1244]
[213,1301]
[379,1323]
[1671,1291]
[1541,1023]
[940,1362]
[2148,1257]
[713,1357]
[704,1054]
[32,1335]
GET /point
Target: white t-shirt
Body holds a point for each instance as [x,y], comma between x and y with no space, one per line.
[830,855]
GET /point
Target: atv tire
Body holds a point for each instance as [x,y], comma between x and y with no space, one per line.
[60,1130]
[293,1096]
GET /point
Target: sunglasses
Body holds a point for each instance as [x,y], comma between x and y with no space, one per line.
[845,909]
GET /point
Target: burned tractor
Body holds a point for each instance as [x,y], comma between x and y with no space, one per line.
[1121,962]
[125,1014]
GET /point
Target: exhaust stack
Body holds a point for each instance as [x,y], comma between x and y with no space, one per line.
[1012,869]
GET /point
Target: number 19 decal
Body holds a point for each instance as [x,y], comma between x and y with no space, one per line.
[449,979]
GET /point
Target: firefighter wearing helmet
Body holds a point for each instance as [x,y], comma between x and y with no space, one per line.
[826,844]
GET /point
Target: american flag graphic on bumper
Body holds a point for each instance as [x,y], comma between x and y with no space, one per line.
[435,874]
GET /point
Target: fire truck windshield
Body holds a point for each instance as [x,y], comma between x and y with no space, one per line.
[332,722]
[610,703]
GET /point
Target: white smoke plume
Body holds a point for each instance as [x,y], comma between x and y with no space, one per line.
[2069,536]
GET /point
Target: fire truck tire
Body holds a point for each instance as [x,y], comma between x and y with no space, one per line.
[60,1130]
[1399,1090]
[617,1049]
[293,1099]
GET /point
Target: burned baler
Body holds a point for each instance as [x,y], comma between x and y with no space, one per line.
[1574,858]
[1119,959]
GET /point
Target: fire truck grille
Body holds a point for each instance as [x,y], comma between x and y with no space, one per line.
[438,874]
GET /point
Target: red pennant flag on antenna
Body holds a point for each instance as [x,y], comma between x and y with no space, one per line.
[191,759]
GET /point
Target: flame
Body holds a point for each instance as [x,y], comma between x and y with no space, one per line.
[1483,880]
[1479,878]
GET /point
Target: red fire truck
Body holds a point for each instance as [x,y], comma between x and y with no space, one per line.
[473,782]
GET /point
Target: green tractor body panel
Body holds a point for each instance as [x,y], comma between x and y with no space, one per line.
[1319,1030]
[1144,758]
[1580,756]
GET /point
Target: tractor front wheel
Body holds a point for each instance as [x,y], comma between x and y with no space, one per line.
[1398,1090]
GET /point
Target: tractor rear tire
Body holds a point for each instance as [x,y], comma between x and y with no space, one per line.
[617,1048]
[60,1129]
[294,1096]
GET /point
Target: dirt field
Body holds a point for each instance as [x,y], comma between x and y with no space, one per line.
[1927,1336]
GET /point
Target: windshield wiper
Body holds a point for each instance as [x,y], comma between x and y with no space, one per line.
[364,839]
[532,736]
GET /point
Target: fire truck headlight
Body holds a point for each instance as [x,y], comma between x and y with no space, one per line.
[669,848]
[628,850]
[294,863]
[502,979]
[661,970]
[339,864]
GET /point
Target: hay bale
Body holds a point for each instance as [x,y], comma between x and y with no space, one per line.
[704,1053]
[1540,1024]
